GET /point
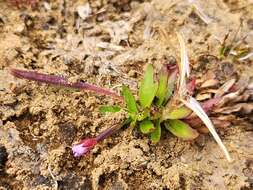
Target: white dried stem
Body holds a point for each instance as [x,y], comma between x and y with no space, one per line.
[246,56]
[184,68]
[197,109]
[199,11]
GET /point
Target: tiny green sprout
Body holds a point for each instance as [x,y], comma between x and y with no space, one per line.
[225,50]
[235,49]
[156,134]
[111,109]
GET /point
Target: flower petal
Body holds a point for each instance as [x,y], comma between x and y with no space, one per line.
[79,150]
[83,147]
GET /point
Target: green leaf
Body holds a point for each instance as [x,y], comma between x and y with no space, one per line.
[181,129]
[148,88]
[225,50]
[162,88]
[156,134]
[171,84]
[178,113]
[146,126]
[133,123]
[127,121]
[112,109]
[129,100]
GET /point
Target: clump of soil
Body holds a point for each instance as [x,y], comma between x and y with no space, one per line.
[108,43]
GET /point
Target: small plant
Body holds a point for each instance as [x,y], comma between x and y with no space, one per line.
[235,48]
[160,103]
[155,106]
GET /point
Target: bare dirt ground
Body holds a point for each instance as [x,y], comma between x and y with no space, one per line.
[108,43]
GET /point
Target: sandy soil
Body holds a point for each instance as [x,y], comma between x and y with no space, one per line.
[109,47]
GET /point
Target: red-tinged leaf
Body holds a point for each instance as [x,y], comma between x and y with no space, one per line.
[209,104]
[162,87]
[202,129]
[171,68]
[191,86]
[61,81]
[196,122]
[193,122]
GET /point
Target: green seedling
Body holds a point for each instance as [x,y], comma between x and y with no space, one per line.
[158,105]
[235,49]
[153,108]
[112,109]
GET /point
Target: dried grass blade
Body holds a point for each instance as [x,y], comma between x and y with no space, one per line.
[199,11]
[246,56]
[184,68]
[195,107]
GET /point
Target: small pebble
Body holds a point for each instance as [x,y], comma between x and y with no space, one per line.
[250,24]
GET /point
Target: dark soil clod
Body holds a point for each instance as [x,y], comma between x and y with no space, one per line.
[3,157]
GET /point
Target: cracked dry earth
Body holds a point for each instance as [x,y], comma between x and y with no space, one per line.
[108,43]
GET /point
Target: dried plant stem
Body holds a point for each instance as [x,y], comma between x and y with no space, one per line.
[62,81]
[106,133]
[190,102]
[199,11]
[184,66]
[196,108]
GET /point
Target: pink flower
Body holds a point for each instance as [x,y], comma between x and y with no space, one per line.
[84,147]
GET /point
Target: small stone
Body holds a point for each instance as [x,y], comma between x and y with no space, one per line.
[227,68]
[132,73]
[20,28]
[47,6]
[250,24]
[11,54]
[36,131]
[84,11]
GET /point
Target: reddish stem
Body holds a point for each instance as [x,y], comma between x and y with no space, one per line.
[18,3]
[106,133]
[61,81]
